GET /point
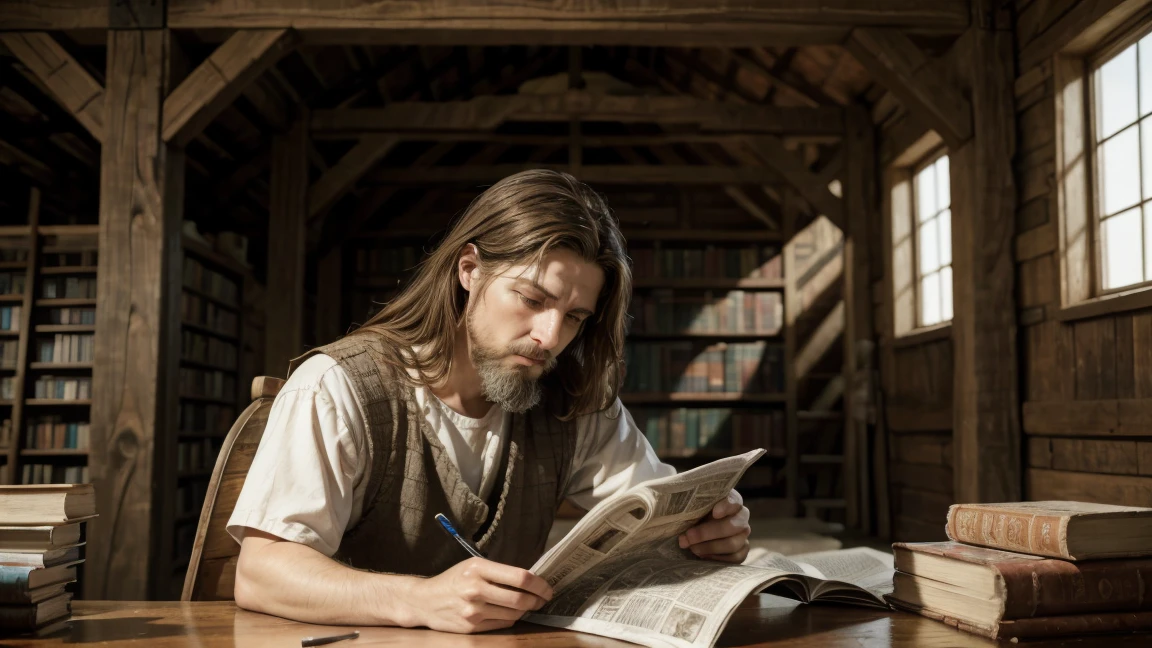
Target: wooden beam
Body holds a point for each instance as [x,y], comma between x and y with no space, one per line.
[216,82]
[68,81]
[986,413]
[725,23]
[286,249]
[141,187]
[336,181]
[809,185]
[600,174]
[488,112]
[37,15]
[899,65]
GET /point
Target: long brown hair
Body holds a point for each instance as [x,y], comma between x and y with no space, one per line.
[518,221]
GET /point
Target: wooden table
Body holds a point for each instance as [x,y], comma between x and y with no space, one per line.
[761,621]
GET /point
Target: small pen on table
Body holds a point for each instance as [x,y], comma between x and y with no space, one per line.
[446,524]
[320,641]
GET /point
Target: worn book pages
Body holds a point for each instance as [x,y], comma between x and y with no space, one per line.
[620,572]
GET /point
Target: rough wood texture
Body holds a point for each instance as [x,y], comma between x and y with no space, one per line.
[341,177]
[792,168]
[1080,25]
[55,14]
[986,429]
[1109,417]
[216,82]
[139,227]
[284,336]
[211,574]
[1124,490]
[70,83]
[486,113]
[763,620]
[628,22]
[899,65]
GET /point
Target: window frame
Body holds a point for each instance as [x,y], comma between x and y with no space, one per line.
[1115,45]
[926,161]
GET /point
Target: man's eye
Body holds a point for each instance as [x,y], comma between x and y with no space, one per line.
[530,302]
[575,319]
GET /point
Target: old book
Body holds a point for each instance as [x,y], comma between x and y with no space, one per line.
[1041,627]
[1069,530]
[987,586]
[23,577]
[46,503]
[38,538]
[13,596]
[24,617]
[620,573]
[48,558]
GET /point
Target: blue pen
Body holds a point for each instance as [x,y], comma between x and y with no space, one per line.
[451,530]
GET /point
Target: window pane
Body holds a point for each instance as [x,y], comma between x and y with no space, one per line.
[943,184]
[1146,154]
[928,247]
[946,294]
[944,225]
[1116,93]
[925,194]
[1120,171]
[1146,75]
[930,299]
[1122,247]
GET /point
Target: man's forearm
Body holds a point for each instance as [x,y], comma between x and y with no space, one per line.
[296,582]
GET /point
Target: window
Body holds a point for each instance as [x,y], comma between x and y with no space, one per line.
[931,204]
[1121,117]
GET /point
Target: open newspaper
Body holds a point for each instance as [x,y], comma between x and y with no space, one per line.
[620,572]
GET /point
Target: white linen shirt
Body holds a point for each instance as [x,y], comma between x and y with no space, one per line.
[307,480]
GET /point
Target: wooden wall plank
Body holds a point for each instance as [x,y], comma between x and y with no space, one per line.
[1123,490]
[1049,357]
[1039,452]
[934,479]
[1142,348]
[139,231]
[1112,417]
[930,449]
[1125,362]
[1095,351]
[284,336]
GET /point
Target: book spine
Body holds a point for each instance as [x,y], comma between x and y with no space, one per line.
[1077,624]
[14,583]
[1040,535]
[1056,587]
[17,617]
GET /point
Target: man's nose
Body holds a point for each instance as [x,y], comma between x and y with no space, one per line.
[546,329]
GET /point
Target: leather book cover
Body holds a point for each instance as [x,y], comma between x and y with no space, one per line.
[1042,627]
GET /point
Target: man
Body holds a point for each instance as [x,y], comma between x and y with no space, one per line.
[486,391]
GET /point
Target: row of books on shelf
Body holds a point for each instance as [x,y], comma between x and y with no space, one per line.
[10,318]
[68,259]
[9,352]
[53,433]
[5,435]
[72,315]
[684,430]
[208,418]
[208,349]
[207,383]
[41,473]
[707,262]
[206,280]
[68,287]
[13,254]
[197,455]
[195,309]
[79,388]
[12,283]
[736,311]
[64,347]
[685,366]
[7,387]
[389,261]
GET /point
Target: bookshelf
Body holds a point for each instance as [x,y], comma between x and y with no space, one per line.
[209,389]
[707,349]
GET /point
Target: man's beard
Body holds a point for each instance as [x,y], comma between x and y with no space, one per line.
[512,388]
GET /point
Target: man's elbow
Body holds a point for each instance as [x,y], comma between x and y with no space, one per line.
[246,590]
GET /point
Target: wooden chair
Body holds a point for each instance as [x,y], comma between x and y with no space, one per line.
[212,570]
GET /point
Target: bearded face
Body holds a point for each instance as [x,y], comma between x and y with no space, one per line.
[513,386]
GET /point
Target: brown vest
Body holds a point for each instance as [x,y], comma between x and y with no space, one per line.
[411,478]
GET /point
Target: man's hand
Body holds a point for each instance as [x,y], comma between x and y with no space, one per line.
[723,535]
[476,596]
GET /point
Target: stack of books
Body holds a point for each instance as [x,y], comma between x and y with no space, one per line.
[1026,570]
[39,550]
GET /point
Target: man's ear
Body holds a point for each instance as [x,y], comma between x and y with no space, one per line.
[468,266]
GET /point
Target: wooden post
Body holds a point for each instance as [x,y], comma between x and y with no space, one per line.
[986,425]
[791,317]
[140,214]
[859,180]
[330,321]
[284,332]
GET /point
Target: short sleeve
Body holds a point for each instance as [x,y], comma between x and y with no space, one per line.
[302,482]
[612,455]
